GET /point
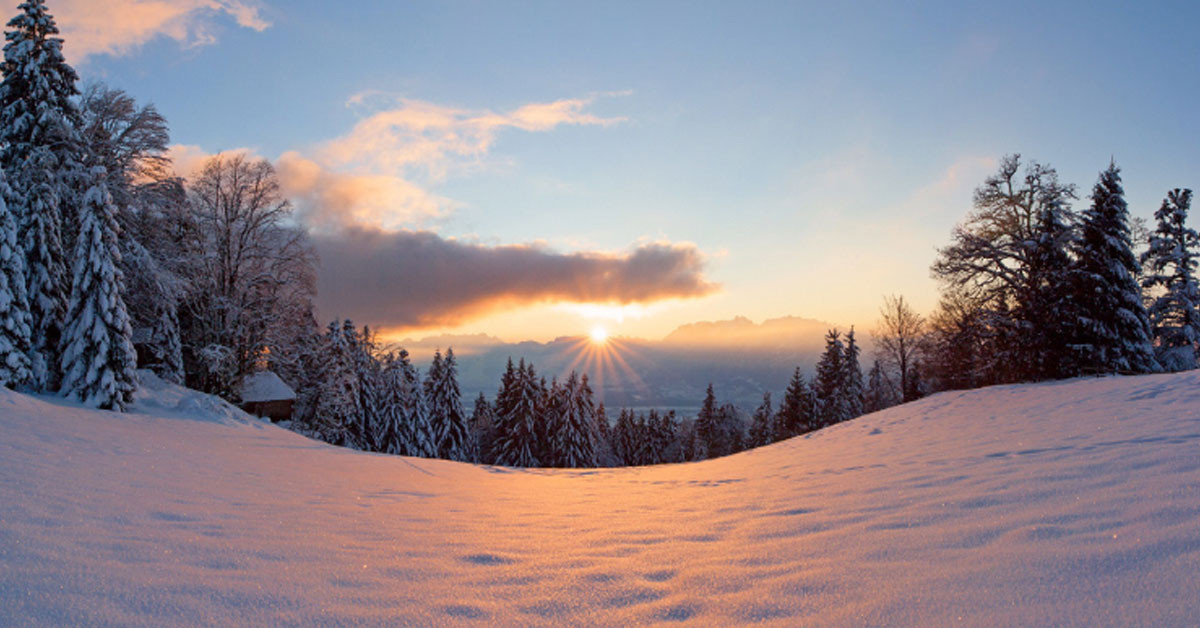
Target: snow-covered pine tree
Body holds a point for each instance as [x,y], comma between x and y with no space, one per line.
[573,440]
[730,432]
[1049,291]
[389,431]
[880,393]
[15,369]
[482,430]
[418,427]
[516,430]
[604,452]
[359,348]
[98,361]
[338,407]
[762,424]
[852,379]
[795,414]
[666,437]
[830,403]
[707,427]
[1113,330]
[165,346]
[448,418]
[44,160]
[1170,276]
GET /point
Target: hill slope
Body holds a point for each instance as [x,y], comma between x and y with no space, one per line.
[1070,503]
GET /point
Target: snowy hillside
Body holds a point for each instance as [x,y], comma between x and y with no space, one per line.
[1073,503]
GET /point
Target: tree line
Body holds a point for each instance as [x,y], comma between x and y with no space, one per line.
[110,261]
[1034,290]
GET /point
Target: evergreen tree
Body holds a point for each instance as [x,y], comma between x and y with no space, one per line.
[338,407]
[795,414]
[880,393]
[831,401]
[445,408]
[15,368]
[98,360]
[361,349]
[1170,275]
[516,430]
[1050,333]
[852,379]
[707,426]
[482,430]
[762,424]
[419,434]
[389,429]
[621,439]
[1112,330]
[573,442]
[43,158]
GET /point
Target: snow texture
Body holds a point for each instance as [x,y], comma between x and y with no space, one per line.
[265,386]
[1067,503]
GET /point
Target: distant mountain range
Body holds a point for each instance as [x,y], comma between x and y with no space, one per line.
[741,358]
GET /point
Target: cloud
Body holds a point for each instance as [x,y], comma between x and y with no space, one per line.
[423,140]
[119,27]
[419,279]
[360,194]
[328,200]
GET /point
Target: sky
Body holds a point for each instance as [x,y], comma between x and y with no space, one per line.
[531,170]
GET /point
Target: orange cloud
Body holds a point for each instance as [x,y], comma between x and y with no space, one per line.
[328,200]
[419,279]
[117,27]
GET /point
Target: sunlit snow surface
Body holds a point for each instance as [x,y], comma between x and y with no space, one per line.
[1073,503]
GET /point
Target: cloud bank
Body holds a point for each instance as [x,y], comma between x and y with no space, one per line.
[419,279]
[118,27]
[364,196]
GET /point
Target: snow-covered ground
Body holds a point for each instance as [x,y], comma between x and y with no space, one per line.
[1074,503]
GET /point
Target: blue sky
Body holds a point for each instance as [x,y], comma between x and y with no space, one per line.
[816,155]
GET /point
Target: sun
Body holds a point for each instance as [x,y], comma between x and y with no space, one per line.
[599,335]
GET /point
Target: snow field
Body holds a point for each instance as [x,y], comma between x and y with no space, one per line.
[1065,503]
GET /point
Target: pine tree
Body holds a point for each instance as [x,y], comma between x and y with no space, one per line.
[339,406]
[361,349]
[728,433]
[389,429]
[795,415]
[419,434]
[43,157]
[1170,271]
[517,439]
[15,367]
[166,348]
[98,360]
[707,428]
[1113,330]
[880,393]
[831,406]
[762,424]
[445,408]
[482,430]
[852,379]
[572,440]
[1050,294]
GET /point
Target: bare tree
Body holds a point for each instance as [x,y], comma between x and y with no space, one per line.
[253,270]
[1011,257]
[898,339]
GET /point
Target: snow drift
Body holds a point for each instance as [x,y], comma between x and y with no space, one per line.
[1068,503]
